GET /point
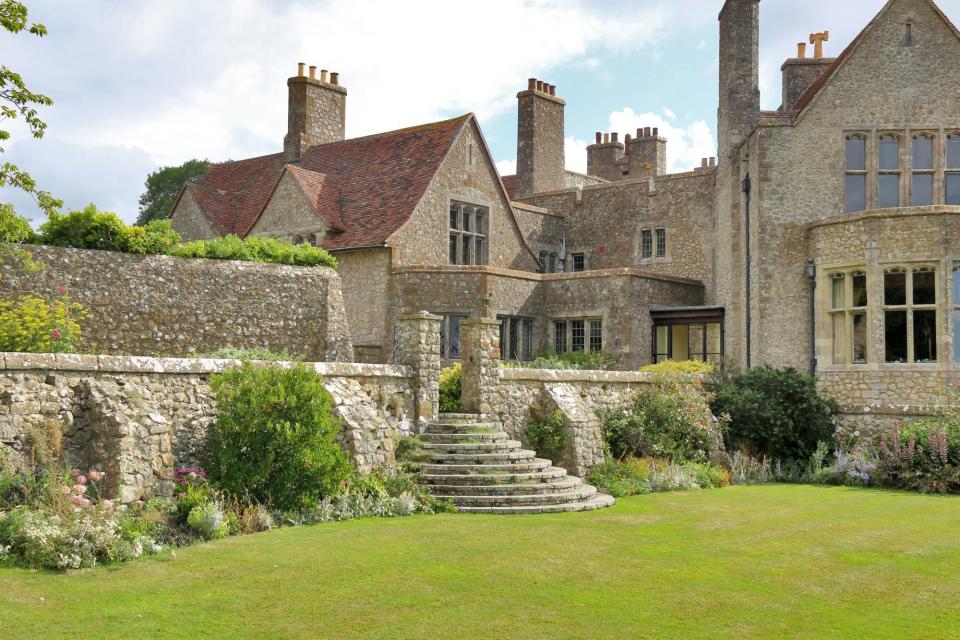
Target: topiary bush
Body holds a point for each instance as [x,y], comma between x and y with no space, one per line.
[774,413]
[274,439]
[450,389]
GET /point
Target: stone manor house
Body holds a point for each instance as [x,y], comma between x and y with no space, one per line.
[825,236]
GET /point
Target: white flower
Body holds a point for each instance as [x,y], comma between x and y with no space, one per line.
[856,434]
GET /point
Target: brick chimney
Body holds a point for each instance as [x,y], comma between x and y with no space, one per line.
[316,112]
[540,159]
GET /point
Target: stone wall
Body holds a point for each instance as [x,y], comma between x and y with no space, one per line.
[139,418]
[161,305]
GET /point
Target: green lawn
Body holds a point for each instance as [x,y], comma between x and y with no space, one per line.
[751,562]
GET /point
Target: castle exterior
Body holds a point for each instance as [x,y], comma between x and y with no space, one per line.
[825,236]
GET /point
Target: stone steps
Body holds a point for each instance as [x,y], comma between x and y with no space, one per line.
[477,466]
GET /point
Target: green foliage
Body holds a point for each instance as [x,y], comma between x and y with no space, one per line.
[256,249]
[410,454]
[582,360]
[162,187]
[670,419]
[33,325]
[450,389]
[209,520]
[778,414]
[234,353]
[89,228]
[635,476]
[18,101]
[548,438]
[680,367]
[273,441]
[14,227]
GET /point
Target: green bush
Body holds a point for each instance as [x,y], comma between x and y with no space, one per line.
[273,441]
[256,249]
[927,432]
[619,479]
[450,389]
[583,360]
[157,237]
[670,419]
[33,325]
[635,476]
[14,227]
[85,228]
[778,414]
[548,438]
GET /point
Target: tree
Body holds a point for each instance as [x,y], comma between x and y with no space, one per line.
[163,185]
[17,100]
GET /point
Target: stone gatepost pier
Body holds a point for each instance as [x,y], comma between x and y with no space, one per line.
[417,345]
[480,353]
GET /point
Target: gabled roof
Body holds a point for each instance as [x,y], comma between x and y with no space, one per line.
[814,89]
[365,188]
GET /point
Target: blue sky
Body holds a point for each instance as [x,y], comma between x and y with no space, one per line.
[139,84]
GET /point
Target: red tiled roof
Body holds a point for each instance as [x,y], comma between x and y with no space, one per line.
[510,184]
[366,188]
[830,71]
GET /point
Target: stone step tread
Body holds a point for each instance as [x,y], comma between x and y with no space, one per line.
[562,484]
[484,458]
[598,501]
[448,438]
[460,416]
[463,427]
[472,447]
[536,464]
[547,476]
[584,492]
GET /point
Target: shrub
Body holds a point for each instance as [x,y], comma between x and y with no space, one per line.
[14,227]
[273,441]
[34,325]
[85,228]
[680,367]
[585,360]
[548,438]
[670,419]
[904,463]
[774,414]
[450,389]
[635,476]
[156,237]
[256,249]
[209,520]
[619,479]
[927,433]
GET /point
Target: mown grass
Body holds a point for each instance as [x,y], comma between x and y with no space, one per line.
[747,562]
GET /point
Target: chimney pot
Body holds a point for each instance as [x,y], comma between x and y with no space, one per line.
[802,50]
[646,132]
[614,137]
[627,140]
[553,89]
[606,138]
[313,72]
[599,137]
[334,78]
[300,66]
[713,161]
[656,132]
[817,40]
[532,84]
[540,85]
[703,163]
[323,75]
[640,132]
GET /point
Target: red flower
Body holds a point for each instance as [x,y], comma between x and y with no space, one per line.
[56,334]
[63,290]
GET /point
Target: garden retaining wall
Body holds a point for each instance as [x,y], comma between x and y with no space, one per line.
[167,306]
[140,418]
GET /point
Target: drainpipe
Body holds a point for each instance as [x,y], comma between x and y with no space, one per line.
[811,273]
[746,231]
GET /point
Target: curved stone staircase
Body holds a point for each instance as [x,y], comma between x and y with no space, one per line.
[481,470]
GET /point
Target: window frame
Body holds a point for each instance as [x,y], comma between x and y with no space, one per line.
[522,328]
[949,171]
[590,333]
[646,244]
[446,335]
[475,238]
[855,172]
[660,243]
[910,308]
[582,258]
[931,172]
[888,171]
[843,317]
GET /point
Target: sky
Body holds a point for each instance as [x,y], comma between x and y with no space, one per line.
[140,84]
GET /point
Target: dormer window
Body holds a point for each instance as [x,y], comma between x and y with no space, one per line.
[468,234]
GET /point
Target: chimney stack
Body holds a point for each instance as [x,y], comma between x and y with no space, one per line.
[801,72]
[739,108]
[540,158]
[316,112]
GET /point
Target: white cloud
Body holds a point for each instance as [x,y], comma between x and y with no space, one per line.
[685,145]
[507,167]
[575,152]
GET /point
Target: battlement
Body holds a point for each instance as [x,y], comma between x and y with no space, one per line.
[644,155]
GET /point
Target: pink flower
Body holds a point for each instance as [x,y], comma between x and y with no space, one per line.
[63,289]
[79,501]
[108,505]
[79,489]
[95,475]
[56,334]
[65,490]
[81,479]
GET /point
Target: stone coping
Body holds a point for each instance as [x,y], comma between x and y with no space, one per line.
[146,364]
[579,375]
[897,212]
[632,272]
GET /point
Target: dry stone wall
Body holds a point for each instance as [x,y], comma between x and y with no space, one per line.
[139,418]
[161,305]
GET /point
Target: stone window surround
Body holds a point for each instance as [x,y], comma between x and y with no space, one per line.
[872,134]
[847,311]
[472,200]
[652,229]
[875,269]
[586,316]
